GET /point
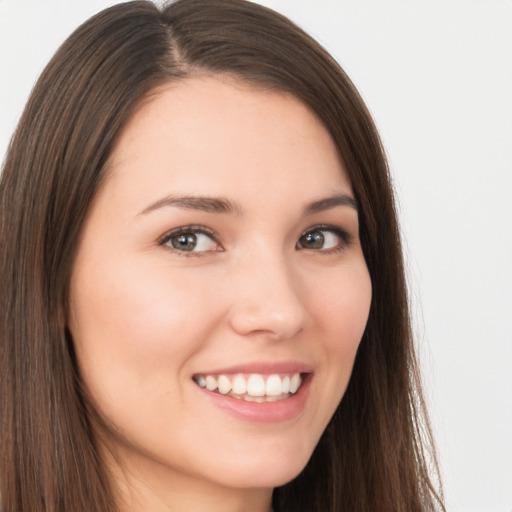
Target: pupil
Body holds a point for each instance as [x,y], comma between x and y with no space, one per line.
[314,240]
[184,242]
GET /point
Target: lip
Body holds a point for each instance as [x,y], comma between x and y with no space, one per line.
[263,368]
[265,412]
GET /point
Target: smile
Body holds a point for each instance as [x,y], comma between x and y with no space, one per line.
[255,387]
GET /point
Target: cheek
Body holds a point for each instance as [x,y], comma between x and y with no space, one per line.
[343,306]
[137,322]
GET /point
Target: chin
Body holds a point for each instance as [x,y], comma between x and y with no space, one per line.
[267,471]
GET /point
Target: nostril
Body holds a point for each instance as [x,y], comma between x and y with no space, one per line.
[262,323]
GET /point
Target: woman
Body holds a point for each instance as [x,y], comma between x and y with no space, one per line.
[203,301]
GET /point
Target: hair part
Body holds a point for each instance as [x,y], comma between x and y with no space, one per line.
[375,453]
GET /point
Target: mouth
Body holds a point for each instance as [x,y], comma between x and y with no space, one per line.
[254,387]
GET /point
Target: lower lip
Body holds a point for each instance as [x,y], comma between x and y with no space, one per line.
[265,412]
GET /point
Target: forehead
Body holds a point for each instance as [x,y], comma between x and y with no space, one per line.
[218,136]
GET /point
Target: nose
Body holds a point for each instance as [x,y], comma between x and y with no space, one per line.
[266,298]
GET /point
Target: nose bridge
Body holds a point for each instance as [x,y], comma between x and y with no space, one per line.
[267,298]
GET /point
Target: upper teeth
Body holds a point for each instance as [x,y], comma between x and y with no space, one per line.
[255,385]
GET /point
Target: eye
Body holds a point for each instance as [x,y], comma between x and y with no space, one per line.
[191,240]
[324,238]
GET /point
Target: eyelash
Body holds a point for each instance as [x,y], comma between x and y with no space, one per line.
[190,230]
[345,237]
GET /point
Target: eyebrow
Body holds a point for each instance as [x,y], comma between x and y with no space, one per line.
[331,202]
[205,204]
[222,205]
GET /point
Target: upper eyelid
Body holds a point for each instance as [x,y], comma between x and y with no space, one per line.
[329,227]
[194,228]
[189,229]
[346,241]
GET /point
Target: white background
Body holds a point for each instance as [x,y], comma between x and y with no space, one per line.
[437,77]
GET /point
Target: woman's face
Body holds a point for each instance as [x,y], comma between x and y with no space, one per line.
[221,251]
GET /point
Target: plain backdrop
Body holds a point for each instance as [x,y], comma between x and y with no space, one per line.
[437,77]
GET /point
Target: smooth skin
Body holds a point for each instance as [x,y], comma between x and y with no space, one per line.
[162,290]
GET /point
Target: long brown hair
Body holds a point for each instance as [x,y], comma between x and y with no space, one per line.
[377,452]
